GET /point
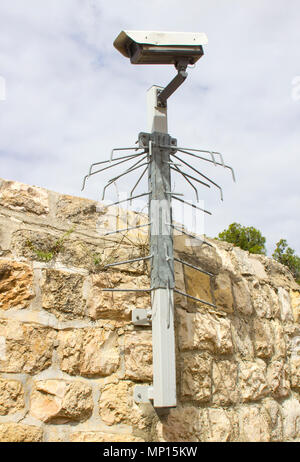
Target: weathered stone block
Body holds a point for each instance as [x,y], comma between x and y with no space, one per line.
[215,426]
[138,356]
[241,335]
[223,292]
[254,426]
[242,299]
[265,300]
[295,303]
[291,418]
[247,264]
[274,417]
[78,210]
[278,379]
[24,198]
[62,293]
[11,396]
[116,406]
[224,380]
[196,378]
[16,284]
[263,338]
[182,424]
[198,331]
[18,433]
[59,401]
[116,305]
[88,352]
[285,305]
[252,380]
[26,348]
[295,371]
[197,285]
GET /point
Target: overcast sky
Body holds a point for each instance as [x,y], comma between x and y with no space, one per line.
[71,97]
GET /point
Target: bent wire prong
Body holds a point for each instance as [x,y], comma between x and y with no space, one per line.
[108,167]
[208,160]
[119,176]
[128,261]
[201,174]
[117,158]
[134,148]
[138,181]
[194,298]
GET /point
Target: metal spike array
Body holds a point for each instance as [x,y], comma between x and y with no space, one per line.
[158,155]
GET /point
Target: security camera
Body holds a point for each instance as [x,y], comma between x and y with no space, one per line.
[152,47]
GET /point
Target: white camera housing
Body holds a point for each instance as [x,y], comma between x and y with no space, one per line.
[155,47]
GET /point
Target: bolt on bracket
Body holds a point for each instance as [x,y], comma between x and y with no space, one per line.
[141,317]
[143,394]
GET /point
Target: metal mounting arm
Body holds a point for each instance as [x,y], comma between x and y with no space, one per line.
[174,84]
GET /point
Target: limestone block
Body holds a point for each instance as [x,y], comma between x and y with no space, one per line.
[224,383]
[88,352]
[225,255]
[16,285]
[279,274]
[215,426]
[274,416]
[223,292]
[18,433]
[263,338]
[100,437]
[26,348]
[196,378]
[254,425]
[241,335]
[116,305]
[198,331]
[197,285]
[138,356]
[279,344]
[24,198]
[295,303]
[182,424]
[247,264]
[66,247]
[206,257]
[278,379]
[11,396]
[78,210]
[116,406]
[242,299]
[252,380]
[285,305]
[291,418]
[295,372]
[179,300]
[62,293]
[59,401]
[265,300]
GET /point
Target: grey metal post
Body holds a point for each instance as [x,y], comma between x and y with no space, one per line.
[161,247]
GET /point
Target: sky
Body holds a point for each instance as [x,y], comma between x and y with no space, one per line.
[67,97]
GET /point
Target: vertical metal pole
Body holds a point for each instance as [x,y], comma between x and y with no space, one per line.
[161,247]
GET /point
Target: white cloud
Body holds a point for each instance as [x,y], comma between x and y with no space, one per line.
[71,98]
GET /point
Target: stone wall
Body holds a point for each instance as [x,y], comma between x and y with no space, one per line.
[70,356]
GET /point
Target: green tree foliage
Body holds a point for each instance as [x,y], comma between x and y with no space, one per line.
[247,238]
[285,255]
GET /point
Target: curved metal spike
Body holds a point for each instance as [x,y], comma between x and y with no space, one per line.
[129,156]
[122,174]
[134,148]
[194,188]
[132,166]
[208,160]
[106,168]
[136,184]
[201,174]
